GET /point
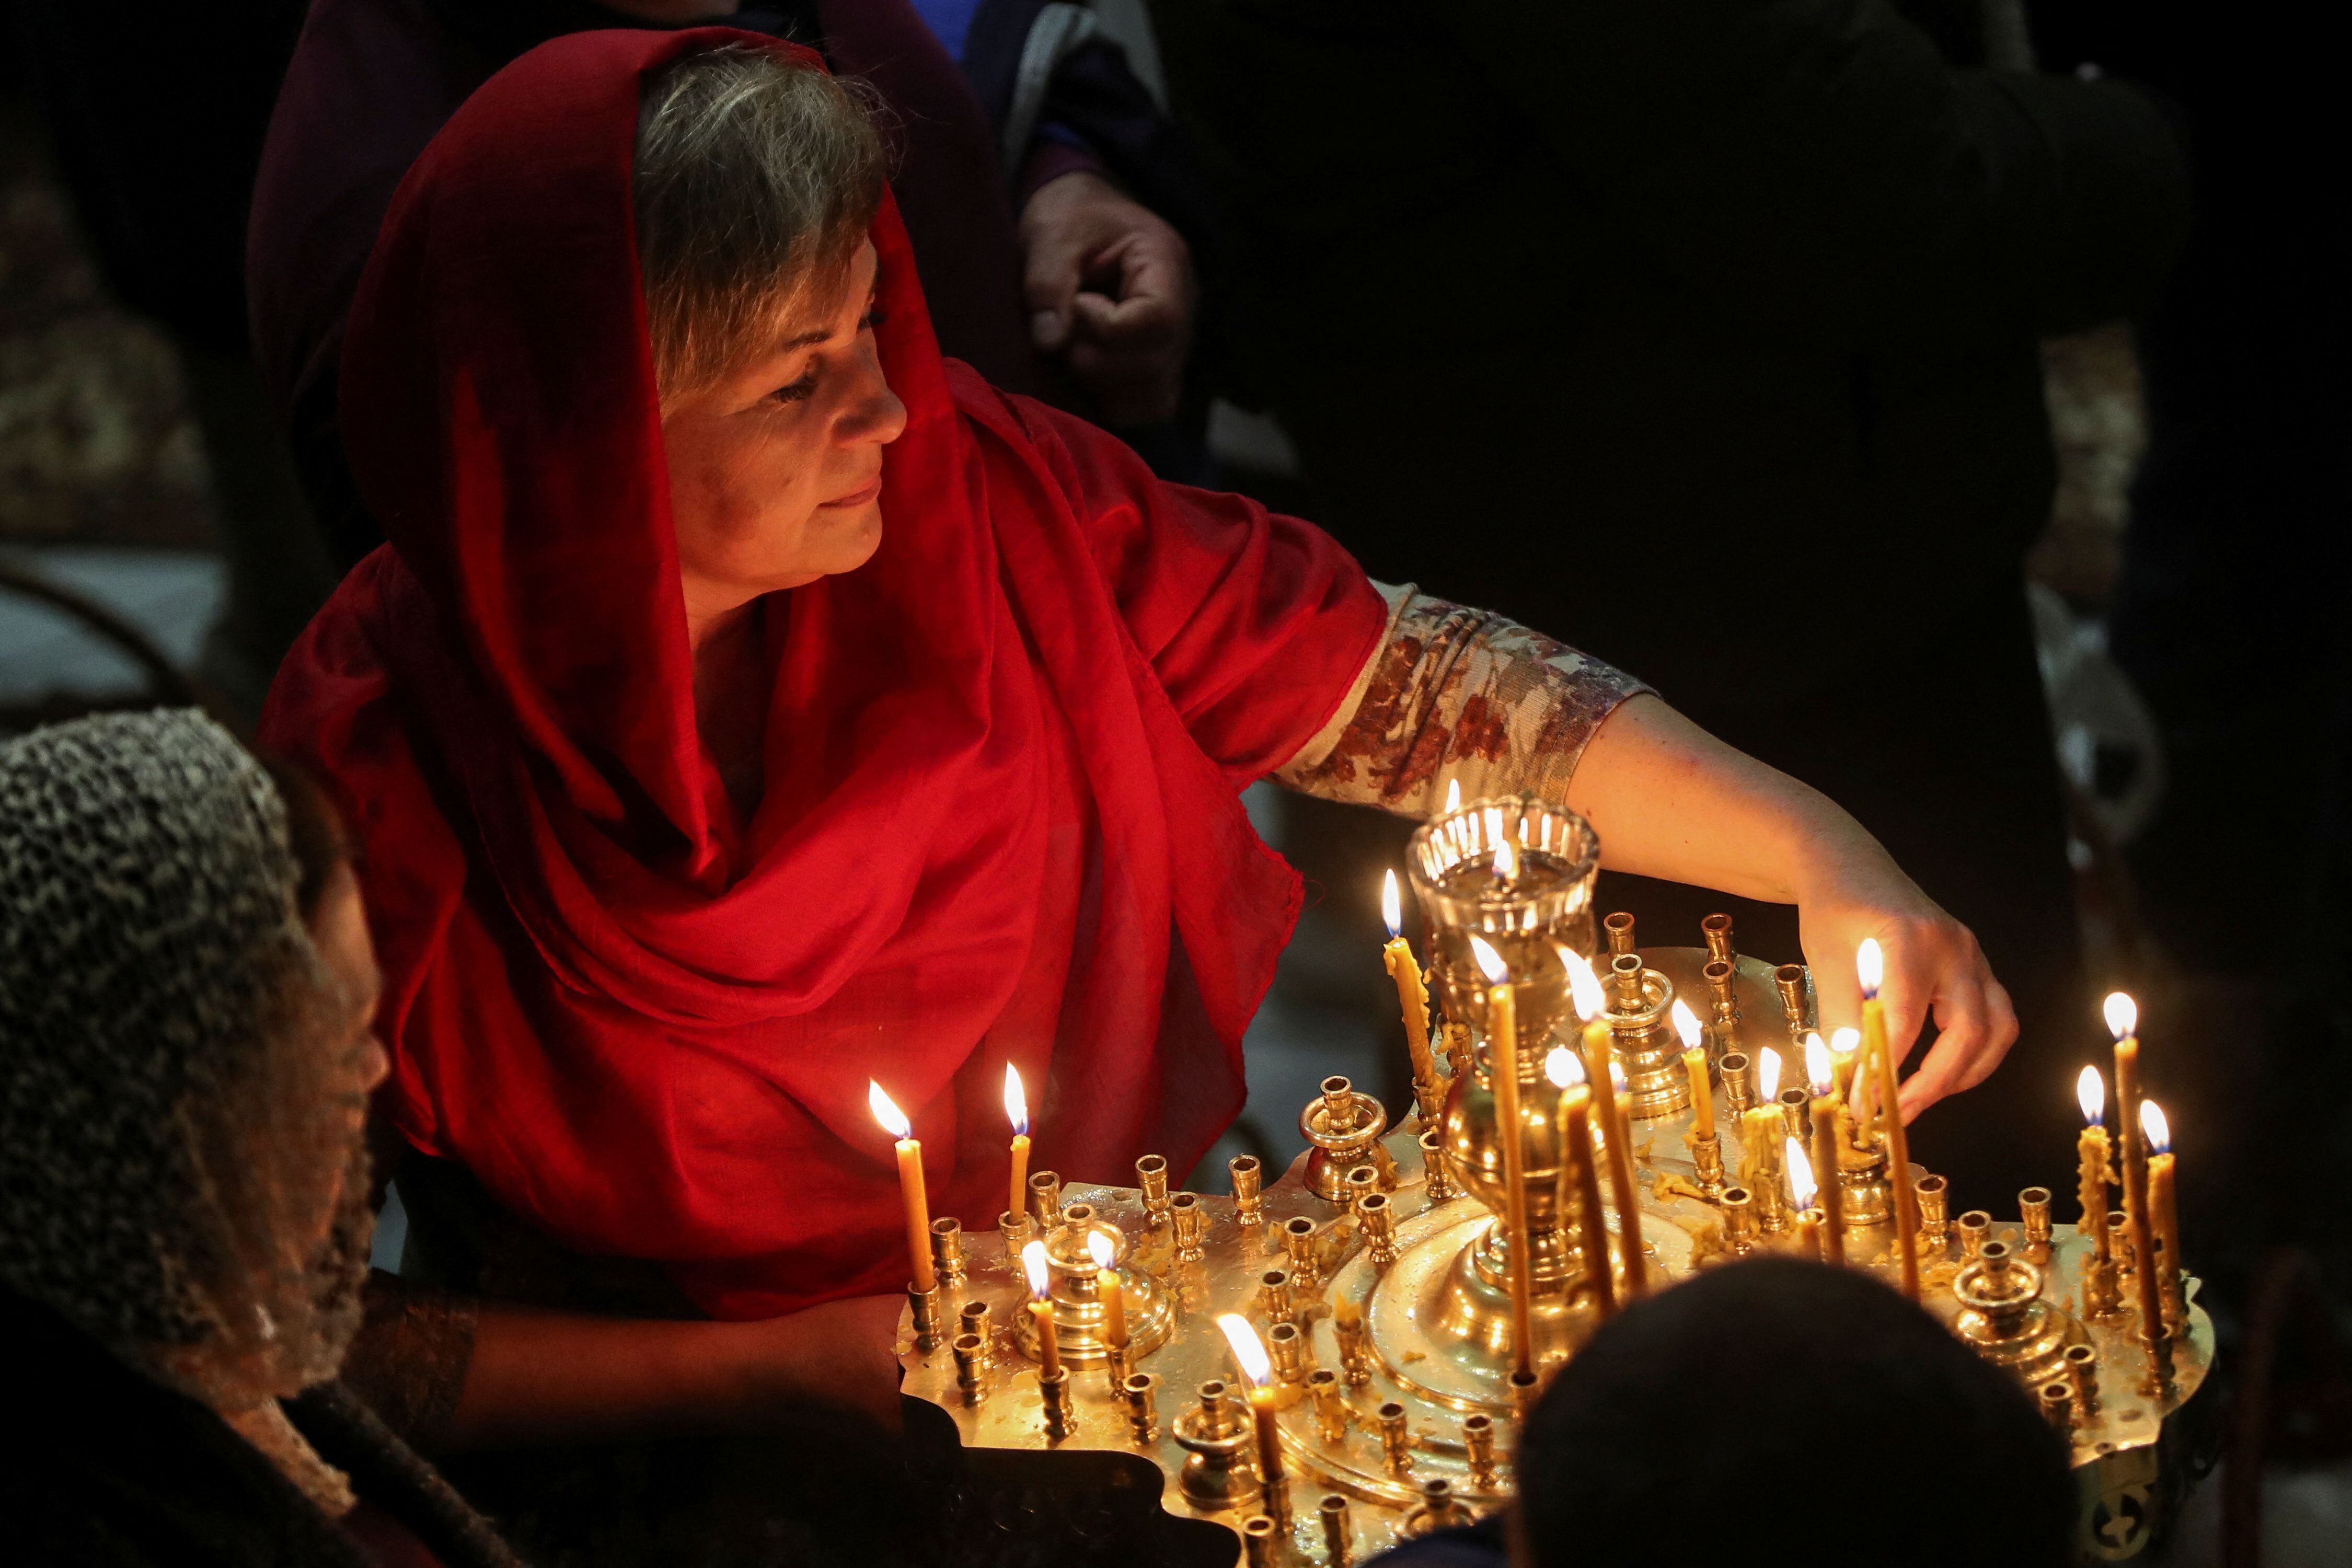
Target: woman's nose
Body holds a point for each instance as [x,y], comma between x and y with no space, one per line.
[875,413]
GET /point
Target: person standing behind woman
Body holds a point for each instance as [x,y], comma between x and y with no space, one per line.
[1709,329]
[188,995]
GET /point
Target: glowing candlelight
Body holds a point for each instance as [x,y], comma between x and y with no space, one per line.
[910,1185]
[1812,1227]
[1041,1308]
[1502,1068]
[1767,1075]
[1688,1029]
[1109,1286]
[2163,1205]
[2123,1022]
[1453,796]
[1613,1106]
[1258,1369]
[1016,1112]
[1506,860]
[1817,1066]
[1843,1045]
[1821,1068]
[1870,968]
[1803,1189]
[1566,1075]
[2092,1160]
[1413,997]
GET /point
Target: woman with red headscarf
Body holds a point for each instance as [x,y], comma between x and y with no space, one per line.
[750,702]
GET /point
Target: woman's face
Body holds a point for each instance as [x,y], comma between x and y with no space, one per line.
[775,474]
[354,1062]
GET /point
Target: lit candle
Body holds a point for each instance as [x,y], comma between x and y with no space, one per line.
[1016,1111]
[1453,796]
[1811,1224]
[1761,1128]
[1506,858]
[1613,1106]
[2123,1022]
[1843,1044]
[1577,1166]
[1412,996]
[1109,1286]
[910,1185]
[1870,967]
[1820,1071]
[1041,1308]
[1687,1026]
[1259,1370]
[2164,1206]
[1502,1068]
[2092,1162]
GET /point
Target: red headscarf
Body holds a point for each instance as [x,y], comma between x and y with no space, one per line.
[1003,758]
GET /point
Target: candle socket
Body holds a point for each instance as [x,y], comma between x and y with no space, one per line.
[1723,997]
[1331,1405]
[1018,1231]
[973,1319]
[1739,1219]
[1396,1440]
[1934,1193]
[947,1249]
[1795,985]
[2082,1371]
[1437,1178]
[1151,1175]
[1054,1393]
[1343,1126]
[1118,1365]
[1716,929]
[1706,1159]
[1771,1206]
[1618,929]
[1739,1088]
[2102,1290]
[1298,1246]
[1429,1097]
[1438,1509]
[1139,1391]
[1867,1200]
[2033,1211]
[2057,1399]
[930,1310]
[1338,1534]
[1044,1199]
[1215,1436]
[1376,1225]
[971,1367]
[1190,1223]
[1975,1228]
[1523,1387]
[1643,1036]
[1354,1355]
[1261,1541]
[1812,1222]
[1288,1351]
[2120,1241]
[1249,1200]
[1797,1114]
[1276,1295]
[1455,1040]
[1478,1444]
[2158,1384]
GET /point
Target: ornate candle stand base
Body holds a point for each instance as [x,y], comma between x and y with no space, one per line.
[1400,1375]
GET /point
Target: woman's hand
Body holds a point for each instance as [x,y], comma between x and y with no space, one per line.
[1111,294]
[844,1352]
[1933,967]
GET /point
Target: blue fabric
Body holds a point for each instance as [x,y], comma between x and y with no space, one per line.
[950,22]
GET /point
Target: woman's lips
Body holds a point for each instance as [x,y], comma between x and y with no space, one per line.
[861,495]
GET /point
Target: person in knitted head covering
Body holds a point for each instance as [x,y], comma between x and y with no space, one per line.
[186,1054]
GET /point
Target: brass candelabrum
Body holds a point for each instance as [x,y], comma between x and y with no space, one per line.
[1379,1284]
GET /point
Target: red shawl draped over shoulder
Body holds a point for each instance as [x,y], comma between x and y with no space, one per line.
[1003,759]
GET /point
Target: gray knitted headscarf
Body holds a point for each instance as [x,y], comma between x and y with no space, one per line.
[171,1138]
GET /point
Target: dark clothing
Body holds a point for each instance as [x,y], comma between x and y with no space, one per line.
[123,1473]
[1706,338]
[1486,1544]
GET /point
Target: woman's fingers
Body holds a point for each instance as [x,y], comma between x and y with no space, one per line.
[1977,1025]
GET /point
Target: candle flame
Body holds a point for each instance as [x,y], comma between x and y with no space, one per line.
[1562,1068]
[1583,986]
[1845,1042]
[1803,1189]
[2154,1128]
[1016,1103]
[1033,1264]
[1870,966]
[2091,1094]
[1101,1247]
[1490,962]
[1768,1072]
[1391,906]
[1247,1349]
[1686,1024]
[2123,1015]
[1453,796]
[893,1120]
[1817,1065]
[1506,860]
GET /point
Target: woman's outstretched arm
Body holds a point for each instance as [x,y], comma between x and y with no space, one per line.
[1460,694]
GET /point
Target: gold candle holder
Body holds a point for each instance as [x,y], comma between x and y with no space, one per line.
[1216,1438]
[975,1320]
[1139,1391]
[1795,985]
[1797,1113]
[1054,1393]
[930,1311]
[1706,1161]
[1355,1354]
[1151,1176]
[1738,1086]
[2057,1398]
[1716,929]
[1298,1233]
[1619,930]
[1260,1541]
[1342,1126]
[1645,1042]
[1339,1534]
[1249,1200]
[1275,1297]
[1189,1224]
[2119,1236]
[947,1249]
[1018,1230]
[2082,1364]
[1723,998]
[971,1367]
[1396,1440]
[1044,1199]
[1376,1225]
[1523,1387]
[1438,1509]
[1934,1193]
[1739,1219]
[1479,1447]
[1331,1405]
[1287,1348]
[1437,1181]
[2033,1213]
[1975,1228]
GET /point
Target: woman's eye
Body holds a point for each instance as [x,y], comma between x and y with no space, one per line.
[798,392]
[873,318]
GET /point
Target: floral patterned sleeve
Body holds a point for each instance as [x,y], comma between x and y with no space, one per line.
[1457,693]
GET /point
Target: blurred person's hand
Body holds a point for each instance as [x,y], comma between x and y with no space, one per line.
[1112,293]
[843,1353]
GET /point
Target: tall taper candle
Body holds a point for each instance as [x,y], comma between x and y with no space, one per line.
[1577,1168]
[2122,1021]
[1503,1067]
[1041,1308]
[2092,1163]
[1016,1111]
[1870,966]
[2164,1206]
[910,1185]
[1412,995]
